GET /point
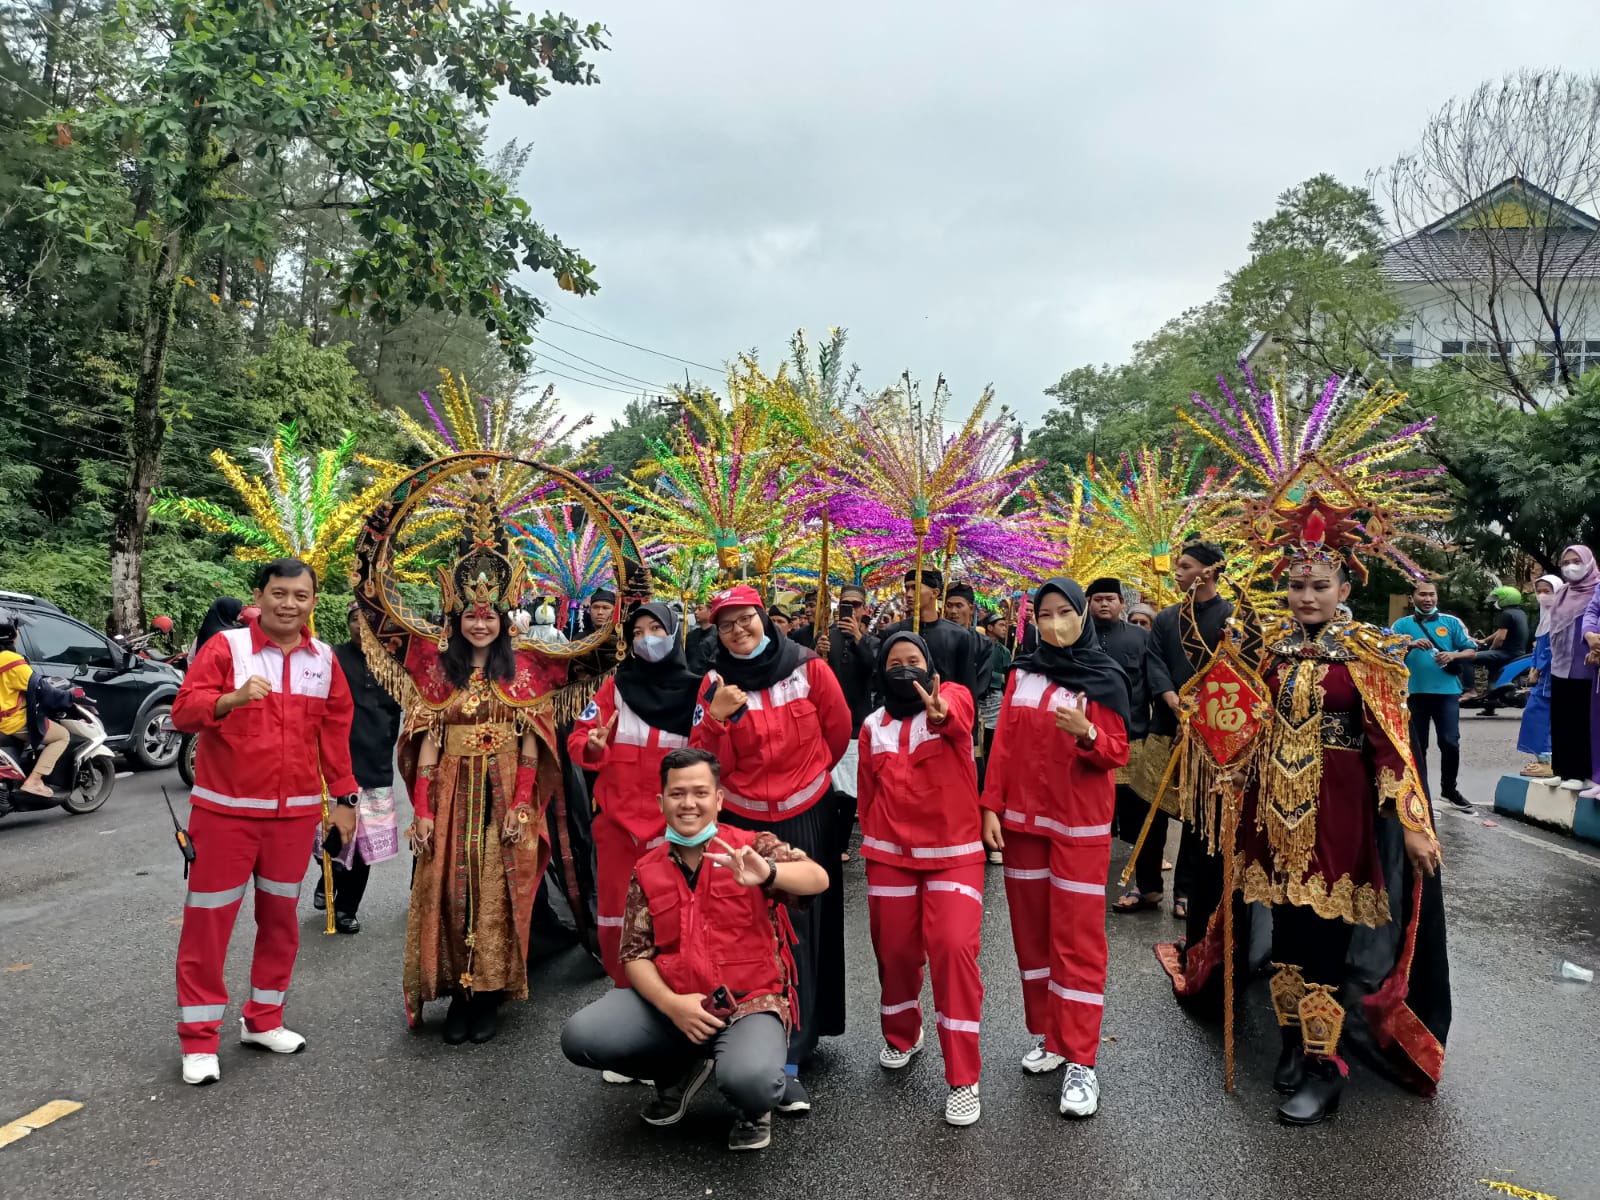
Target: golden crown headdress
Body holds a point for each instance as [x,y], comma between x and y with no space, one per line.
[485,577]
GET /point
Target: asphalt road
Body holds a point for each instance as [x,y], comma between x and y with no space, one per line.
[89,911]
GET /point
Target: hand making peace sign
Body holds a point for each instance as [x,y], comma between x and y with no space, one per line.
[600,735]
[932,702]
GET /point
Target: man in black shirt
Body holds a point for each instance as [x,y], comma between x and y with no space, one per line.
[373,732]
[1171,660]
[701,647]
[1508,643]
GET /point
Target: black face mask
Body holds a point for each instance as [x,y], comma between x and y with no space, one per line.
[902,682]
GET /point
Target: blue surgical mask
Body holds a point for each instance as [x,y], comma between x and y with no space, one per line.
[697,839]
[765,642]
[653,647]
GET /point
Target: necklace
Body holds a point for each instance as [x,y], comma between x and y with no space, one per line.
[477,693]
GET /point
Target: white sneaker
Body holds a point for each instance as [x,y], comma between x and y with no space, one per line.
[201,1068]
[961,1106]
[279,1040]
[895,1059]
[1590,793]
[1549,781]
[615,1077]
[1080,1091]
[1572,785]
[1040,1061]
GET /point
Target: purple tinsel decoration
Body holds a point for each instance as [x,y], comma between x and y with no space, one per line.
[1319,414]
[444,432]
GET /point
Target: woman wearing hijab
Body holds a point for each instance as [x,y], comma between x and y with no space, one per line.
[223,614]
[774,715]
[1572,675]
[1533,736]
[641,712]
[1051,792]
[921,830]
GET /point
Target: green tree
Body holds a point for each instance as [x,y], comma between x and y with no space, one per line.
[1314,283]
[214,102]
[627,442]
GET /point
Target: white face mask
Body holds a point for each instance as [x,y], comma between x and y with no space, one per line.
[1573,572]
[1547,599]
[653,647]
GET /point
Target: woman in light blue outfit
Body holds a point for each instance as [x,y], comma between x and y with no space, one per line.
[1534,735]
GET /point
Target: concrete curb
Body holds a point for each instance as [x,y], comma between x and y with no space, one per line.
[1565,812]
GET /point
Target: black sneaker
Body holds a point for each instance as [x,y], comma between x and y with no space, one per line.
[346,923]
[748,1134]
[1455,797]
[672,1101]
[318,900]
[795,1100]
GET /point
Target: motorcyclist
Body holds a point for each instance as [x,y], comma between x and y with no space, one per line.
[14,676]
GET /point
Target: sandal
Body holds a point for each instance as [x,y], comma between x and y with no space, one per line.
[1180,908]
[1133,900]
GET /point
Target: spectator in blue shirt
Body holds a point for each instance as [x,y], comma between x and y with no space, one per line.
[1438,642]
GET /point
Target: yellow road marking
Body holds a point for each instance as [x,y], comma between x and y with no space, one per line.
[40,1117]
[20,967]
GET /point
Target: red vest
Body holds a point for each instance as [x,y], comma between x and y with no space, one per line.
[629,767]
[720,934]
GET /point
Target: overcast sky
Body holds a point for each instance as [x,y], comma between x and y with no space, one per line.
[999,192]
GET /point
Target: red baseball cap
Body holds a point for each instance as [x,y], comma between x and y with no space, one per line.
[740,596]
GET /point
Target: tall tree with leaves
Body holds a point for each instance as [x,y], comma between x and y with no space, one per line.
[219,97]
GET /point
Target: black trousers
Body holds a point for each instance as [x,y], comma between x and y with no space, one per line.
[1131,812]
[350,884]
[1569,727]
[1317,945]
[1443,712]
[819,926]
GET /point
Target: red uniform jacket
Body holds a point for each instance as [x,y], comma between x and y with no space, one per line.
[917,789]
[719,934]
[778,752]
[271,757]
[630,765]
[1039,779]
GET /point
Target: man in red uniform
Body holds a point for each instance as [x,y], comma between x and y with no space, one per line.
[273,711]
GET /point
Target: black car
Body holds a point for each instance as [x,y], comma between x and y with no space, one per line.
[134,693]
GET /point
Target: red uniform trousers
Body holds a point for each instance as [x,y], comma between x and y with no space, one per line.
[616,852]
[1057,894]
[228,852]
[934,917]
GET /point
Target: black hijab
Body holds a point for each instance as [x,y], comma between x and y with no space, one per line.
[777,661]
[1084,666]
[223,614]
[662,693]
[899,707]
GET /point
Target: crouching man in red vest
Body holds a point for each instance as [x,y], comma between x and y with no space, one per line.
[705,946]
[273,710]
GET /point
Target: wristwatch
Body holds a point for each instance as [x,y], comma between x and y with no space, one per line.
[772,873]
[353,800]
[1092,736]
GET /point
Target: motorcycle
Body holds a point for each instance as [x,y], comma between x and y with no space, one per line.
[84,776]
[1508,689]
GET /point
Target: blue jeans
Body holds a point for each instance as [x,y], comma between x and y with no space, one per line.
[1444,712]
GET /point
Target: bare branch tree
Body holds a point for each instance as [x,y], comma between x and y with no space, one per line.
[1499,253]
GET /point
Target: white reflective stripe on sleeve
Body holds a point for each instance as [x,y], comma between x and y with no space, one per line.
[1039,973]
[950,885]
[1073,885]
[1027,872]
[610,922]
[233,801]
[1012,814]
[1073,831]
[214,899]
[872,843]
[273,887]
[266,996]
[305,801]
[889,1010]
[954,1025]
[201,1012]
[946,851]
[892,892]
[1073,994]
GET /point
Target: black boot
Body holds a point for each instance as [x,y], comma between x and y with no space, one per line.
[485,1016]
[1291,1062]
[1318,1095]
[457,1021]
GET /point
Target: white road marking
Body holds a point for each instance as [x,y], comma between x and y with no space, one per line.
[1588,860]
